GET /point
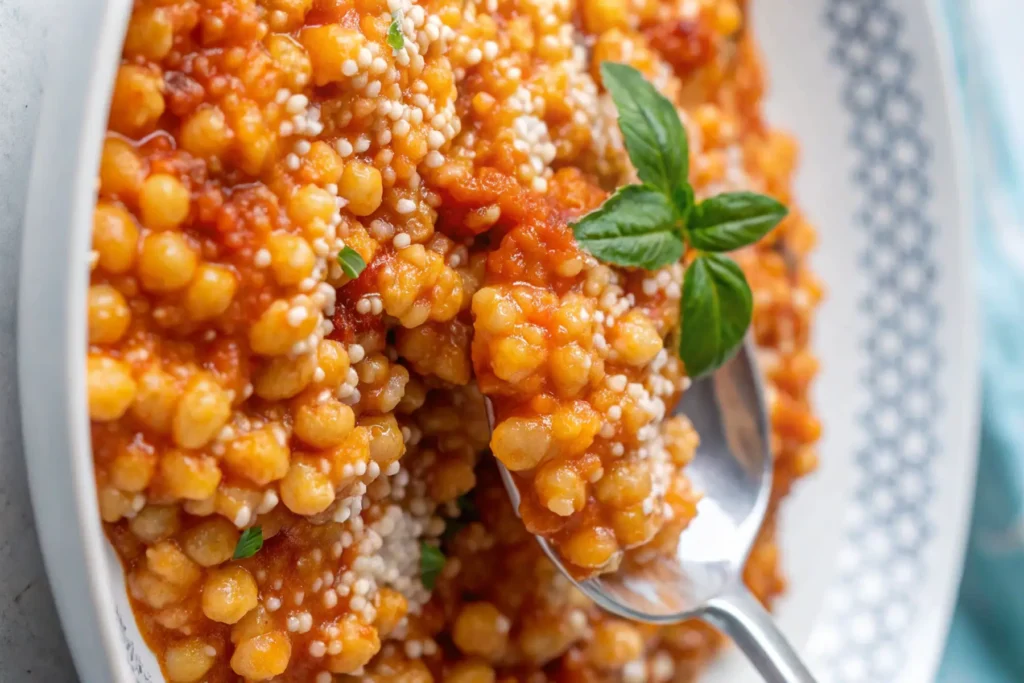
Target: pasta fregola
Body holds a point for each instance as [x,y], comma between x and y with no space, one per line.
[243,377]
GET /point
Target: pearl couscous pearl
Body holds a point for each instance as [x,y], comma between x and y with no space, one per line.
[111,388]
[109,315]
[228,594]
[164,202]
[362,187]
[262,657]
[115,238]
[167,262]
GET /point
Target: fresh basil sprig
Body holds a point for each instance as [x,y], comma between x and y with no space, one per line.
[652,224]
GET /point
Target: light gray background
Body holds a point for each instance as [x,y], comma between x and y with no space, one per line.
[31,643]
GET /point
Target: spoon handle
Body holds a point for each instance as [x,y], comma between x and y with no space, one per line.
[742,618]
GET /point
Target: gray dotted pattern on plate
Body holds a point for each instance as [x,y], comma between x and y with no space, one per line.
[134,661]
[871,608]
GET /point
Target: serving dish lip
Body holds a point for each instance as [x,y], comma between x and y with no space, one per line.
[951,94]
[83,53]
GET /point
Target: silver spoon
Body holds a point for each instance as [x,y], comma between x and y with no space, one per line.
[733,472]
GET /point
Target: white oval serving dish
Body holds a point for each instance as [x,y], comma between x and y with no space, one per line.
[872,543]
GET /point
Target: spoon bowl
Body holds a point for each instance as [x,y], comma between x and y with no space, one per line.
[732,470]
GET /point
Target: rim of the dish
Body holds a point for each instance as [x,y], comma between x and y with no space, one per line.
[73,114]
[939,29]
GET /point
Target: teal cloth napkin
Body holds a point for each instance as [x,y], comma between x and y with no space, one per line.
[985,642]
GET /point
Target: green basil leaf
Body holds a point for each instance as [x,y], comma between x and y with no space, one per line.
[733,220]
[636,226]
[249,543]
[684,200]
[651,129]
[431,563]
[395,37]
[716,309]
[352,264]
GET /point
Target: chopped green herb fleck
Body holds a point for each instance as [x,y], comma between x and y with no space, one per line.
[395,37]
[352,264]
[431,563]
[249,543]
[467,508]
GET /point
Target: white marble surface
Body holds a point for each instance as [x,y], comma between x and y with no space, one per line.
[31,642]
